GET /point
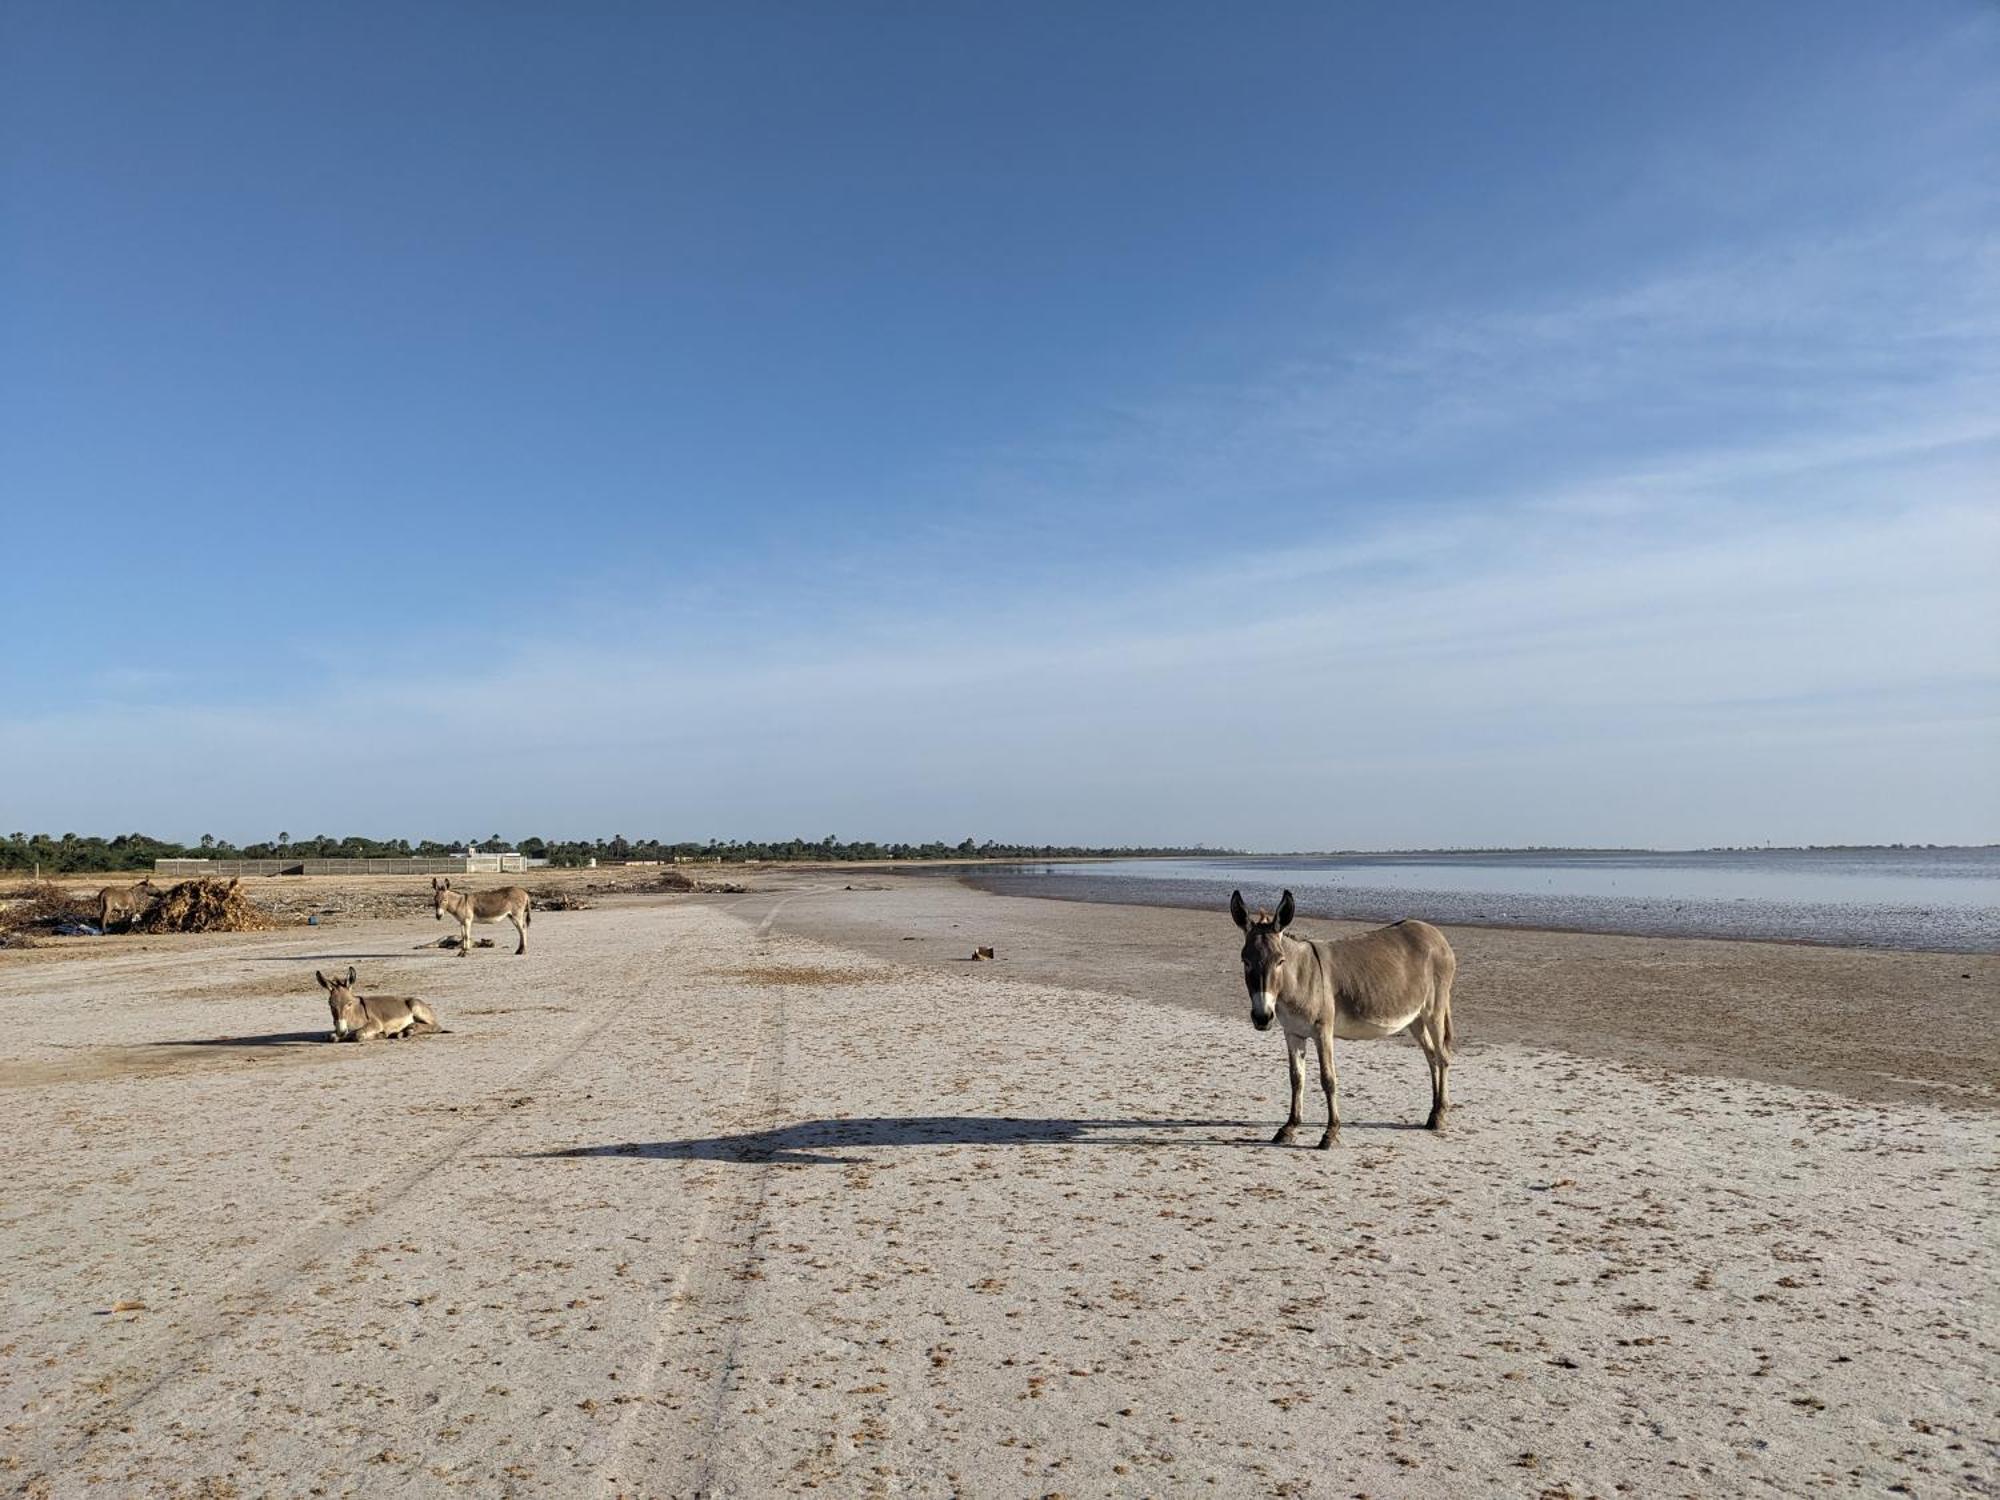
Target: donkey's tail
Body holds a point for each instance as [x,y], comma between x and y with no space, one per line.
[1446,971]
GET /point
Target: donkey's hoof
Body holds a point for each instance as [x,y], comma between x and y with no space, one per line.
[1436,1121]
[1326,1141]
[1284,1136]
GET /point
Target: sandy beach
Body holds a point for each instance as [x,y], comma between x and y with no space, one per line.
[773,1193]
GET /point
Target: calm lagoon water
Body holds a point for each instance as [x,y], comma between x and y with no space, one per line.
[1940,899]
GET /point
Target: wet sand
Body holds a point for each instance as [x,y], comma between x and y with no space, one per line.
[750,1196]
[1868,1023]
[1928,901]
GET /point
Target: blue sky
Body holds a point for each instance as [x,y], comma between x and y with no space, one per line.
[1296,427]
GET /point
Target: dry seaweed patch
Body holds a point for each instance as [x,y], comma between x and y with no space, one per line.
[678,880]
[558,898]
[285,896]
[205,906]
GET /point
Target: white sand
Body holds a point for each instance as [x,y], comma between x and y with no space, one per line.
[871,1228]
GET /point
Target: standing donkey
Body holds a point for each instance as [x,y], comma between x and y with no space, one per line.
[509,903]
[1358,989]
[126,901]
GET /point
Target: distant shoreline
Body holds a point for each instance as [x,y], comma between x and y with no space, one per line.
[1618,849]
[1938,901]
[1553,929]
[44,857]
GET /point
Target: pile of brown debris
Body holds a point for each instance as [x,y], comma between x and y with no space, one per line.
[204,906]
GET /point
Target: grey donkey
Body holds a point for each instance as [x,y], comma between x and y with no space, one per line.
[1358,989]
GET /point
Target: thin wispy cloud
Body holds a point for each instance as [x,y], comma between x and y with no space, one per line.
[1791,358]
[1478,656]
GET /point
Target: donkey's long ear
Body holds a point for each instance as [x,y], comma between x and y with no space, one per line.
[322,980]
[352,977]
[1285,908]
[1236,910]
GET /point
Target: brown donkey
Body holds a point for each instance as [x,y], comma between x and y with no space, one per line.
[362,1019]
[508,904]
[1357,989]
[127,901]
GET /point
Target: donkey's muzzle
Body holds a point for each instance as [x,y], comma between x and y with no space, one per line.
[1262,1023]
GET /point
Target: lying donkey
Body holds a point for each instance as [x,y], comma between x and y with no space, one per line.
[1357,989]
[364,1019]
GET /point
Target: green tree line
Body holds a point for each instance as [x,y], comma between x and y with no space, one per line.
[137,851]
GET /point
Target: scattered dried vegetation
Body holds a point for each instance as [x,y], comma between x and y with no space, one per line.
[42,906]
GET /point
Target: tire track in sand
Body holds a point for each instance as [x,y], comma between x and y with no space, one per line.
[711,1259]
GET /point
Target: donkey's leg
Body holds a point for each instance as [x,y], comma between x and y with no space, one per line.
[1442,1095]
[1295,1056]
[515,918]
[1441,1032]
[465,937]
[1429,1038]
[1329,1082]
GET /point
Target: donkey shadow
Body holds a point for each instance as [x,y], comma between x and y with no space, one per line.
[821,1143]
[268,1039]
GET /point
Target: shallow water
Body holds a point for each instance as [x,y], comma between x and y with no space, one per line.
[1944,900]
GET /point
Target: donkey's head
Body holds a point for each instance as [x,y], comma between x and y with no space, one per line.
[1263,955]
[348,1013]
[439,886]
